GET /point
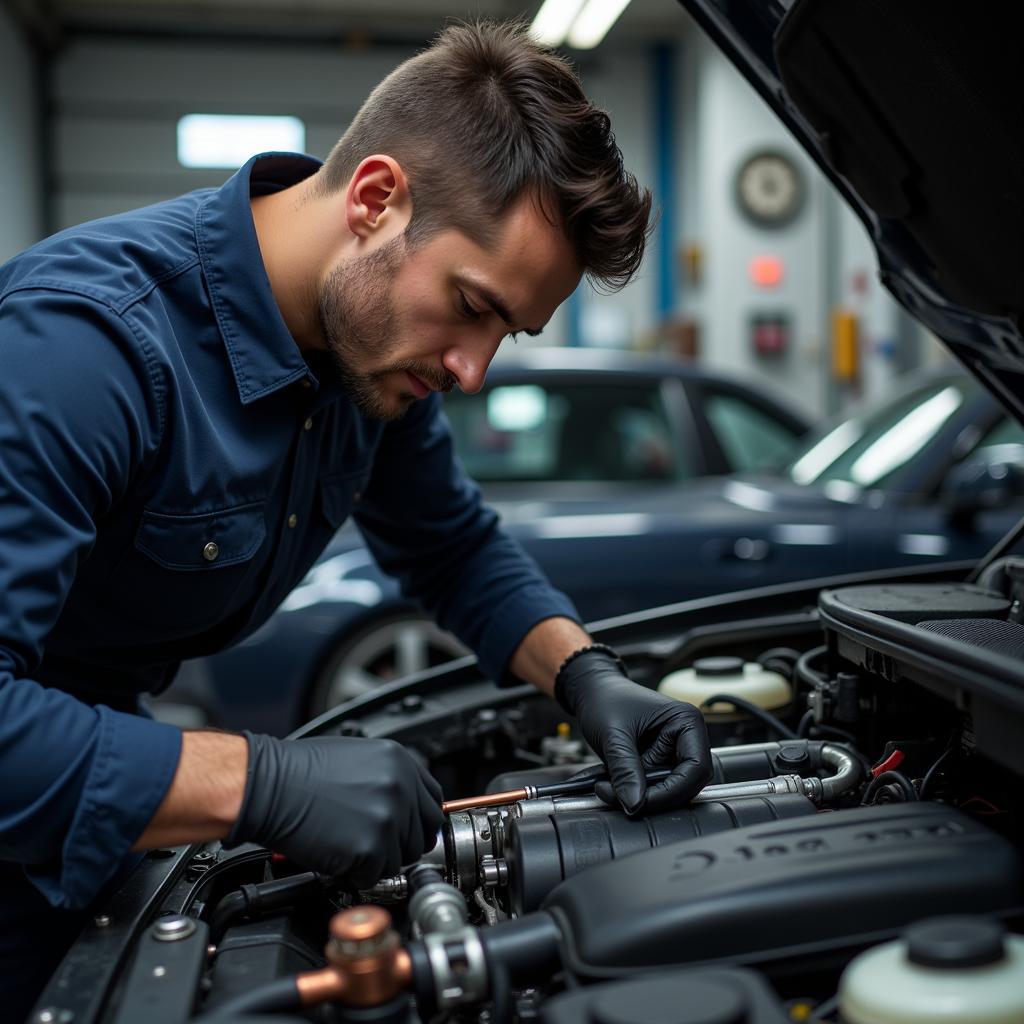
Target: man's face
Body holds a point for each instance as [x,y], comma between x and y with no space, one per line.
[399,325]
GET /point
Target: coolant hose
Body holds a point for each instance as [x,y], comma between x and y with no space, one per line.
[527,947]
[261,897]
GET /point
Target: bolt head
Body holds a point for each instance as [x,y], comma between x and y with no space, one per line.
[173,927]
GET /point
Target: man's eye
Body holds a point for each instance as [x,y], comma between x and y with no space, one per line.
[467,309]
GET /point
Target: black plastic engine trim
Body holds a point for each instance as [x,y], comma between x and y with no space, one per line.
[811,888]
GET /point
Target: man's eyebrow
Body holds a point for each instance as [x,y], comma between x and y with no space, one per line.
[500,308]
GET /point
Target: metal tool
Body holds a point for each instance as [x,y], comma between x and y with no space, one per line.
[554,789]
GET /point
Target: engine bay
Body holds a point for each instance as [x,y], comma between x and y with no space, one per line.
[867,768]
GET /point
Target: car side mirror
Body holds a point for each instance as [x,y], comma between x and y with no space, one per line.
[979,485]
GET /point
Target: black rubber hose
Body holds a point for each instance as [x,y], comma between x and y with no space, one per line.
[897,778]
[421,875]
[807,724]
[501,995]
[759,713]
[282,994]
[526,947]
[261,897]
[779,659]
[804,672]
[422,980]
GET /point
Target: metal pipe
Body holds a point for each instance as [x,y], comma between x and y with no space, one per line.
[513,796]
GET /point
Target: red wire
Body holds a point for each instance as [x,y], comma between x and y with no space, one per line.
[891,763]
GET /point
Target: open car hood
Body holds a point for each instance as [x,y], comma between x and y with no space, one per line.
[913,110]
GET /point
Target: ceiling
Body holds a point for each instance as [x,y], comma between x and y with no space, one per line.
[353,21]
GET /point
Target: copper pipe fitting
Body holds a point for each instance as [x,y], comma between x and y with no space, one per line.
[368,967]
[511,796]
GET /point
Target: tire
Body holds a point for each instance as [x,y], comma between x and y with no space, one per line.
[381,652]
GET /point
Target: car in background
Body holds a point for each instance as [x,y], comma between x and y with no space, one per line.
[933,473]
[579,439]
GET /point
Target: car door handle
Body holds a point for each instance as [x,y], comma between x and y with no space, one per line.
[746,549]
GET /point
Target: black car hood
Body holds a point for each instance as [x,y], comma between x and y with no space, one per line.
[914,110]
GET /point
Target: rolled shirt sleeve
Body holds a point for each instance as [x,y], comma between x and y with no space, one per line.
[80,413]
[425,523]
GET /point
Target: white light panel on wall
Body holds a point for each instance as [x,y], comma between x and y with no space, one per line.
[228,140]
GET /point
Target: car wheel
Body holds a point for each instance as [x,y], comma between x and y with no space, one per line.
[379,653]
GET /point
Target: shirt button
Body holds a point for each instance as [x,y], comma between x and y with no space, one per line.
[308,425]
[306,383]
[293,521]
[211,551]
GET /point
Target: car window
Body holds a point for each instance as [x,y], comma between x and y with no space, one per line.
[866,449]
[1003,442]
[565,431]
[749,437]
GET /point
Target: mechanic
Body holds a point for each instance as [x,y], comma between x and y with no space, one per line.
[194,396]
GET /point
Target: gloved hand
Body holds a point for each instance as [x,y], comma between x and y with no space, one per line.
[350,807]
[635,730]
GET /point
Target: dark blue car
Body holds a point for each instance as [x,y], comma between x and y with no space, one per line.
[620,505]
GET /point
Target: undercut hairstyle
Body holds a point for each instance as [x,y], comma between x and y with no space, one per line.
[486,115]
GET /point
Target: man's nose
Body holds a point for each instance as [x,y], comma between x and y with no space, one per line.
[469,363]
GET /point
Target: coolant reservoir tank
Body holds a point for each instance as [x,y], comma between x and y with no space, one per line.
[946,970]
[710,676]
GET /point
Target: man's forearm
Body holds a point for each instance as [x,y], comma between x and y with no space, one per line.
[544,648]
[205,795]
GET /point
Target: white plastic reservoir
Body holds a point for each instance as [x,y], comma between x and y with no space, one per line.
[946,970]
[710,676]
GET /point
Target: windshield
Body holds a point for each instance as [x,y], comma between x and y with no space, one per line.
[864,450]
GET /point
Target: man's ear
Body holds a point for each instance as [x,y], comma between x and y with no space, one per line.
[378,201]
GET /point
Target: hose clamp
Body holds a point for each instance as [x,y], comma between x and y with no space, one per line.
[458,966]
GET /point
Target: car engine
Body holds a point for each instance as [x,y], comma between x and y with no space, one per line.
[859,849]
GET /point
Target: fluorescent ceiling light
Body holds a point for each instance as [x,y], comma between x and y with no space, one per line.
[594,21]
[228,140]
[553,20]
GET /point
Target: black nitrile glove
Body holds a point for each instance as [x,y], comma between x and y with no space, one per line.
[635,730]
[344,806]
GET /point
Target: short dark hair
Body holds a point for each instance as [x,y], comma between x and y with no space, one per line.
[485,115]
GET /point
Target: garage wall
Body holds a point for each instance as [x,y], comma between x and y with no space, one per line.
[620,81]
[117,105]
[727,122]
[828,260]
[20,170]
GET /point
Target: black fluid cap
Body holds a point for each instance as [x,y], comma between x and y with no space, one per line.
[959,941]
[670,1001]
[791,756]
[724,666]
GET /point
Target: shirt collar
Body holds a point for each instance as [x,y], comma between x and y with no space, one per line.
[263,354]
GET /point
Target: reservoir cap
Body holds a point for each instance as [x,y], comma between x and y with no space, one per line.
[962,941]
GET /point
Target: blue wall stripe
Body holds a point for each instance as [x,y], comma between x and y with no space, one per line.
[663,103]
[574,307]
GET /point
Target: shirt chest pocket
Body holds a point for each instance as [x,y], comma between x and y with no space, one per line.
[185,572]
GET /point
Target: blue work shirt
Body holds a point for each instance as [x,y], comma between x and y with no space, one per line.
[170,467]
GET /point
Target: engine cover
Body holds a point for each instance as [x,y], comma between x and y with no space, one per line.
[790,889]
[542,852]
